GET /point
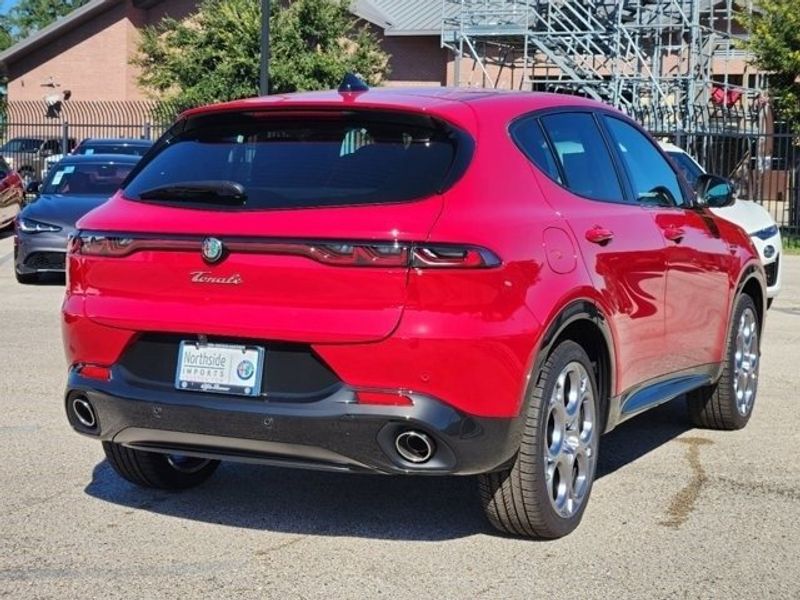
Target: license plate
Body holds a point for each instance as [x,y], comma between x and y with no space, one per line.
[220,368]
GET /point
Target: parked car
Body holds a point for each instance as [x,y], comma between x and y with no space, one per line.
[74,187]
[747,214]
[406,281]
[135,147]
[11,194]
[26,155]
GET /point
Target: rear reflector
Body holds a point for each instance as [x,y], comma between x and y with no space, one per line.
[383,398]
[335,253]
[95,372]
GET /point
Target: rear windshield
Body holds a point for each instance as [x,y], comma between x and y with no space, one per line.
[86,179]
[302,160]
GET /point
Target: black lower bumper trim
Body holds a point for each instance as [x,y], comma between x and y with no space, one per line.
[334,434]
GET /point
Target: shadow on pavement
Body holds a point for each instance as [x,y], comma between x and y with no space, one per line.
[369,506]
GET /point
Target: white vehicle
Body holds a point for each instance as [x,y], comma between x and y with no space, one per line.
[747,214]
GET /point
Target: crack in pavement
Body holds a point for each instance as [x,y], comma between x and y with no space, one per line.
[683,502]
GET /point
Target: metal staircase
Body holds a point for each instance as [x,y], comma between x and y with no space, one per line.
[655,56]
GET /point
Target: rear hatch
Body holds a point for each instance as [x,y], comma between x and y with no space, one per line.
[312,214]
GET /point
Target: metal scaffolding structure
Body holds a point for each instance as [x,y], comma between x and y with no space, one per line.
[664,61]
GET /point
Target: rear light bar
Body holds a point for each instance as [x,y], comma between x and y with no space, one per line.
[337,253]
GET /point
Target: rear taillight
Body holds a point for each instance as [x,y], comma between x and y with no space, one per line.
[101,245]
[336,253]
[426,257]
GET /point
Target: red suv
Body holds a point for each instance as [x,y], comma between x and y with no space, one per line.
[407,282]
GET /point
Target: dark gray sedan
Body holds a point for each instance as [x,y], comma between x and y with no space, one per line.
[76,185]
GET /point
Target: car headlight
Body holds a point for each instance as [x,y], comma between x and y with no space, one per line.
[31,226]
[766,233]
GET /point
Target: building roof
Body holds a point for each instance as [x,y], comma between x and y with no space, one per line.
[406,17]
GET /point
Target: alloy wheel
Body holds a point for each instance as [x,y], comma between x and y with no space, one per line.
[745,362]
[571,440]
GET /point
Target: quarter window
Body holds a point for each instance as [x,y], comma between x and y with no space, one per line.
[530,138]
[653,179]
[583,156]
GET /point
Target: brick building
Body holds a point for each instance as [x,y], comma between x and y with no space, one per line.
[88,52]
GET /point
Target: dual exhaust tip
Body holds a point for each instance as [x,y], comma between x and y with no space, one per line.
[83,411]
[415,446]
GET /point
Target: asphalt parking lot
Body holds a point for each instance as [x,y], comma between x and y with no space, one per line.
[676,512]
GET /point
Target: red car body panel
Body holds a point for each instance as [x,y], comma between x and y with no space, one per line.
[466,337]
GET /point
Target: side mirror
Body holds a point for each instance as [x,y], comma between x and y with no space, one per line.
[715,192]
[33,187]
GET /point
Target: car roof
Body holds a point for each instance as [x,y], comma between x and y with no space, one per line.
[458,105]
[100,158]
[118,141]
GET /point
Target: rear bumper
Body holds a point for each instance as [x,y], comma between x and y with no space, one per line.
[335,433]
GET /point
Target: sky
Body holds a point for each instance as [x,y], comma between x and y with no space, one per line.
[6,5]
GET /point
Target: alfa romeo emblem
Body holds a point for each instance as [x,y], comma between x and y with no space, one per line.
[245,370]
[212,250]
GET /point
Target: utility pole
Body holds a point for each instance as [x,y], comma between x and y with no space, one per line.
[264,84]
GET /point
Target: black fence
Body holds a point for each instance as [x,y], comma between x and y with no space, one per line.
[31,131]
[730,142]
[764,166]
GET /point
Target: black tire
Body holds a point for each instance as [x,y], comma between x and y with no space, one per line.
[518,500]
[718,406]
[155,470]
[26,278]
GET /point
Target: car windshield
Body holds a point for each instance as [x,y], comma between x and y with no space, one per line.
[296,162]
[112,148]
[89,179]
[688,167]
[21,145]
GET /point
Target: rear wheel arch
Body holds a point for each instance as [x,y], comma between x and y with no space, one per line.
[585,324]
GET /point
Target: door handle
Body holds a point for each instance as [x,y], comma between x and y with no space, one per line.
[599,235]
[674,234]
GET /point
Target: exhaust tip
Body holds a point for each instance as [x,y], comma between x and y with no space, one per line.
[414,446]
[84,412]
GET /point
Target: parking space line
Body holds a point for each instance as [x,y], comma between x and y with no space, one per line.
[6,258]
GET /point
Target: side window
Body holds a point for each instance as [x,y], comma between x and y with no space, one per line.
[530,138]
[653,179]
[583,155]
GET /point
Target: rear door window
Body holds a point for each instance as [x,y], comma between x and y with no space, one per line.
[302,160]
[653,179]
[583,155]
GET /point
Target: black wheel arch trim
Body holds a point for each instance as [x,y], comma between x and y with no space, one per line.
[753,271]
[575,311]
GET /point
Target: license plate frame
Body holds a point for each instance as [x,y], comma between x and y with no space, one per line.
[214,369]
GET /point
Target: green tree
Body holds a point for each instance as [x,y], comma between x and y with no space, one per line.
[29,16]
[214,54]
[775,43]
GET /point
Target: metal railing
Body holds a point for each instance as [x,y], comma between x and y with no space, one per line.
[63,126]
